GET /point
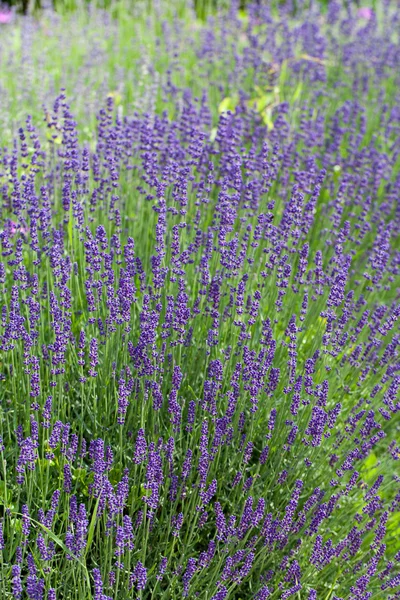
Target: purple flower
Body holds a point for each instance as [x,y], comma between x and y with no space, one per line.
[177,522]
[263,593]
[221,594]
[67,479]
[139,576]
[98,585]
[16,581]
[140,448]
[162,568]
[187,465]
[154,478]
[191,568]
[94,357]
[26,523]
[27,457]
[206,495]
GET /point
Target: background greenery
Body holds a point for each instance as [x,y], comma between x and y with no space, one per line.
[202,7]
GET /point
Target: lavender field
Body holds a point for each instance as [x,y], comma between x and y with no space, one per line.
[200,301]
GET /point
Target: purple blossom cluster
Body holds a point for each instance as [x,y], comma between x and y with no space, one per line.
[199,330]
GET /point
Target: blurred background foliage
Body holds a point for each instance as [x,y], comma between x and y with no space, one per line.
[202,7]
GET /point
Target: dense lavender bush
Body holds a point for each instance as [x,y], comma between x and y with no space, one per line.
[199,319]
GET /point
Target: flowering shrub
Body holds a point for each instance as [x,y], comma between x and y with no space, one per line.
[199,324]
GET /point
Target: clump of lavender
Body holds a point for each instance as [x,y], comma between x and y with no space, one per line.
[199,322]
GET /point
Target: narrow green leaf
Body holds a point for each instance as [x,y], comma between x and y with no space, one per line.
[92,526]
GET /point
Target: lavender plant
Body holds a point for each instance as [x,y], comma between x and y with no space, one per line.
[199,313]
